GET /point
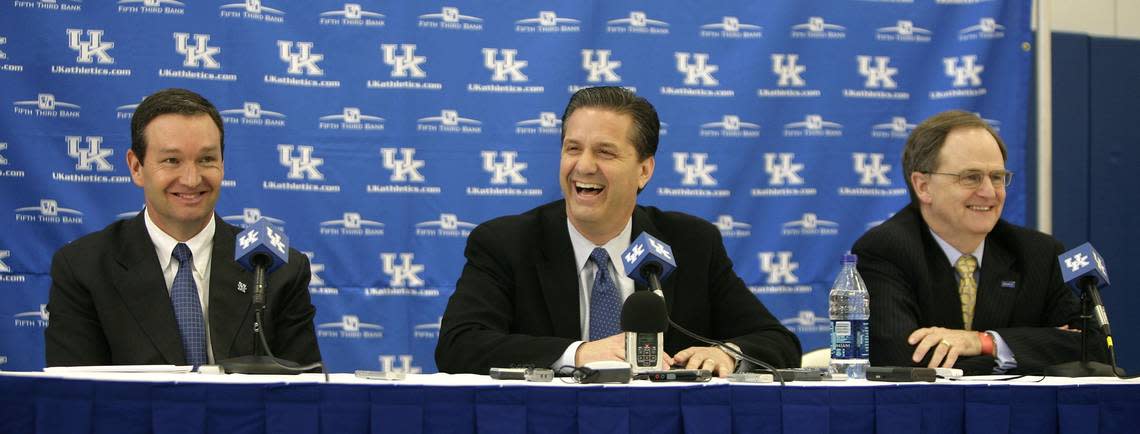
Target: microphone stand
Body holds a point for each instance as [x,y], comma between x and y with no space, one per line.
[257,363]
[1084,368]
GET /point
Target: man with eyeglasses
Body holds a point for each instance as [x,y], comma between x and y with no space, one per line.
[951,283]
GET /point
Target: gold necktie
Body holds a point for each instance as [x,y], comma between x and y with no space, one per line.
[967,288]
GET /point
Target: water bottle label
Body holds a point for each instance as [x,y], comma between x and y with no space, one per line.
[850,339]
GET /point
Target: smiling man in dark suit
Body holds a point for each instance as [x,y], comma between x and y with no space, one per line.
[951,283]
[163,287]
[544,288]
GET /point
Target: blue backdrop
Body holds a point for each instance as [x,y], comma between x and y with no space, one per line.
[380,133]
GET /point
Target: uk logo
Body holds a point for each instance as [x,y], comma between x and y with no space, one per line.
[508,68]
[46,105]
[818,28]
[871,169]
[301,166]
[352,223]
[966,74]
[352,14]
[987,28]
[813,125]
[730,228]
[404,274]
[508,170]
[879,75]
[5,254]
[730,126]
[730,27]
[3,41]
[1077,261]
[303,61]
[785,67]
[638,22]
[3,161]
[903,31]
[779,267]
[6,271]
[248,217]
[699,72]
[388,364]
[897,128]
[547,22]
[450,18]
[404,64]
[92,49]
[599,67]
[252,10]
[404,168]
[810,224]
[699,172]
[91,157]
[198,55]
[782,170]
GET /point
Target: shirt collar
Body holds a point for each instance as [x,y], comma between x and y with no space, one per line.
[200,245]
[954,254]
[583,247]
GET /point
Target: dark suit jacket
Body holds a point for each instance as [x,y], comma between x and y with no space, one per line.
[1021,295]
[109,304]
[517,299]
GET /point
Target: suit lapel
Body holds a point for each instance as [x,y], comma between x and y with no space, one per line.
[995,302]
[142,287]
[642,223]
[556,271]
[230,308]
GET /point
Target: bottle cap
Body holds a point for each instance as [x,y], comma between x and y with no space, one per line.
[849,258]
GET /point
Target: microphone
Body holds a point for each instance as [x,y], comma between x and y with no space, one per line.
[1083,268]
[648,261]
[643,319]
[262,248]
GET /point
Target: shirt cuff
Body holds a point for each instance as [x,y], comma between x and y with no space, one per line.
[1002,353]
[567,358]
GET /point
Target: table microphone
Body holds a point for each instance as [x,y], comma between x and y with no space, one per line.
[1083,268]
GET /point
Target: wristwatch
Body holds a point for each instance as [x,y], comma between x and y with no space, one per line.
[736,356]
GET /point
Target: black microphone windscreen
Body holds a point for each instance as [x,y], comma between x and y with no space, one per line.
[644,312]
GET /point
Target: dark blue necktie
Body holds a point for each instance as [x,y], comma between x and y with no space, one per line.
[188,308]
[605,300]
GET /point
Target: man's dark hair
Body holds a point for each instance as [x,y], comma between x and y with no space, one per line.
[170,101]
[646,126]
[925,142]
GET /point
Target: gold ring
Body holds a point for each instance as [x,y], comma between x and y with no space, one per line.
[947,344]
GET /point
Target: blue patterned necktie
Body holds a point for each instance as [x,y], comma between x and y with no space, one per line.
[188,308]
[605,301]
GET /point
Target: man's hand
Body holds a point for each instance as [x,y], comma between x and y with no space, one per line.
[947,344]
[611,348]
[711,358]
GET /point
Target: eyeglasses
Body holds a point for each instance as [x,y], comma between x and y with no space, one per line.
[972,178]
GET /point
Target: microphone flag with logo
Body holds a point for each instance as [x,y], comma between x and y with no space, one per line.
[262,244]
[1083,263]
[647,255]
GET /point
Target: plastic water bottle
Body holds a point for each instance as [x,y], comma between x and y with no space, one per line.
[849,308]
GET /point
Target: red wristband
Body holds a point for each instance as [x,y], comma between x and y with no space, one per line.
[987,343]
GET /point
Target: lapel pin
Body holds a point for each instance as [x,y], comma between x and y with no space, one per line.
[1008,284]
[241,287]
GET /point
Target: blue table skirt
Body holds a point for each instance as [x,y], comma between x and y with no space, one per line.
[51,405]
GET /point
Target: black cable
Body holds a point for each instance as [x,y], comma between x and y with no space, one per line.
[729,350]
[269,352]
